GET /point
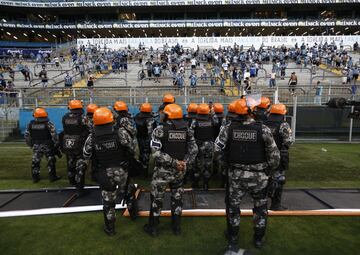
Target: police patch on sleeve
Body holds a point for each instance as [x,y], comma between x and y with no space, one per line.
[245,135]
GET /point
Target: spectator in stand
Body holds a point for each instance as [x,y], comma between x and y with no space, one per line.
[318,93]
[68,81]
[157,72]
[292,83]
[149,68]
[193,80]
[355,73]
[356,46]
[272,81]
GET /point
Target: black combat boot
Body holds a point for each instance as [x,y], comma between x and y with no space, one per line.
[35,178]
[109,225]
[72,180]
[152,227]
[131,202]
[175,224]
[232,237]
[276,201]
[258,238]
[53,177]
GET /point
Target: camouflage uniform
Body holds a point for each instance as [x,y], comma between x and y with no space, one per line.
[90,125]
[167,153]
[75,132]
[247,178]
[283,137]
[112,168]
[218,164]
[190,117]
[222,158]
[40,135]
[205,141]
[145,124]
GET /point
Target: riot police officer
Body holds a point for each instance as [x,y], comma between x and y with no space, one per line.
[261,110]
[90,109]
[191,113]
[219,112]
[190,117]
[145,125]
[75,133]
[111,149]
[204,132]
[167,99]
[252,155]
[173,147]
[225,121]
[41,136]
[123,118]
[283,137]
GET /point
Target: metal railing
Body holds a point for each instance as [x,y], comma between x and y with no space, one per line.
[135,95]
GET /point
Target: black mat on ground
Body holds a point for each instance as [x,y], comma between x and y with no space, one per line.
[299,200]
[38,200]
[4,198]
[339,198]
[91,197]
[294,199]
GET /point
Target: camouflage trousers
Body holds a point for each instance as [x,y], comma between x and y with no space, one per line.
[204,160]
[162,178]
[144,152]
[113,184]
[76,166]
[39,150]
[255,184]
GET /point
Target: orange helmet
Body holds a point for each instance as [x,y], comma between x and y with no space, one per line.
[91,108]
[168,98]
[231,107]
[218,108]
[120,106]
[102,116]
[203,109]
[265,103]
[173,111]
[145,107]
[241,107]
[278,109]
[40,113]
[192,108]
[75,104]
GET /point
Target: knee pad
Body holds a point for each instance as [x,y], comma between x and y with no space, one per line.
[281,180]
[260,210]
[51,161]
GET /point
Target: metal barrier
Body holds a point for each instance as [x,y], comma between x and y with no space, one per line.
[59,68]
[306,94]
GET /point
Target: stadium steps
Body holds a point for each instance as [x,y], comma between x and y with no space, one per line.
[331,69]
[7,129]
[66,94]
